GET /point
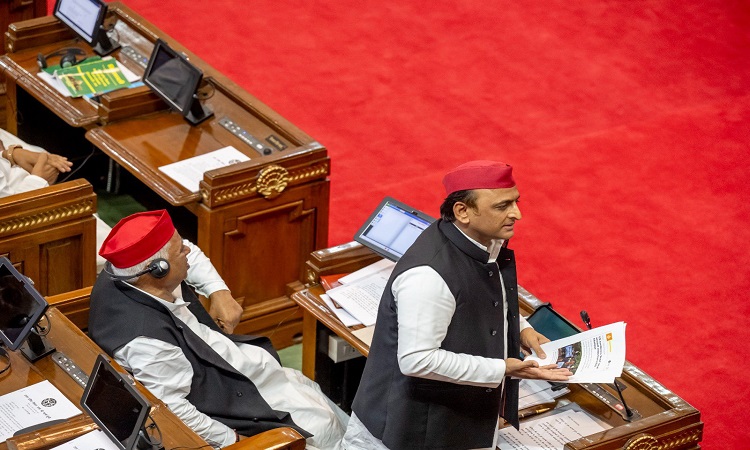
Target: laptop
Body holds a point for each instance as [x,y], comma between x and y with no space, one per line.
[392,227]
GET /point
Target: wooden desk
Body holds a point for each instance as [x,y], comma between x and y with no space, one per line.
[256,220]
[667,422]
[67,338]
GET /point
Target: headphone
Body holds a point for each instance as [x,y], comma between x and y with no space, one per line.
[158,268]
[67,57]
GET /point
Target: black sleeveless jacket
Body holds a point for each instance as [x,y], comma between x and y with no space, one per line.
[120,313]
[416,413]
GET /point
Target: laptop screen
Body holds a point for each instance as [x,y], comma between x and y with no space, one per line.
[392,228]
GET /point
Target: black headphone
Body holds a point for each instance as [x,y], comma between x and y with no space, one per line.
[67,57]
[158,268]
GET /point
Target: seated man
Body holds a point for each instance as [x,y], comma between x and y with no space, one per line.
[25,167]
[223,386]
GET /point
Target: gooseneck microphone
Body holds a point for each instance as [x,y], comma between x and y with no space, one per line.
[158,268]
[629,413]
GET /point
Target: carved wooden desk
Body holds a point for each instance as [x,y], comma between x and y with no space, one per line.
[67,338]
[257,221]
[667,421]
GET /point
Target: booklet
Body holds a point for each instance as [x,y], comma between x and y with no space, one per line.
[594,356]
[189,172]
[94,76]
[39,403]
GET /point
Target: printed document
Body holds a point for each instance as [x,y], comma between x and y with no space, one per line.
[189,172]
[538,392]
[548,433]
[92,440]
[360,295]
[32,405]
[594,356]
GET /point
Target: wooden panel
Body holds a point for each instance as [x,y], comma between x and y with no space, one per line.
[50,234]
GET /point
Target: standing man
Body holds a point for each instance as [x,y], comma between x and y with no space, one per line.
[448,331]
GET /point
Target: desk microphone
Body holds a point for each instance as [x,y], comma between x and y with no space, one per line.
[628,412]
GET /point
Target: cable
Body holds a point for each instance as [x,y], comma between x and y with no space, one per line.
[80,166]
[4,354]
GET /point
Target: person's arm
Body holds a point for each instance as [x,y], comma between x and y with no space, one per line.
[202,275]
[167,373]
[425,307]
[15,180]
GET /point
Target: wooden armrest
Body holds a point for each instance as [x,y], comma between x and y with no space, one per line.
[54,435]
[276,439]
[35,32]
[47,206]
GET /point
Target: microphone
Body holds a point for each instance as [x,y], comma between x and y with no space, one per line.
[628,412]
[586,319]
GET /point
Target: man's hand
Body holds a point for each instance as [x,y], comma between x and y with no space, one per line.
[532,340]
[531,370]
[44,170]
[225,310]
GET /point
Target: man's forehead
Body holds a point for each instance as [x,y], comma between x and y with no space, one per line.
[498,194]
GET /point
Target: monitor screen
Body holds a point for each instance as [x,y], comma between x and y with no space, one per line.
[175,79]
[114,404]
[392,228]
[21,305]
[85,17]
[552,325]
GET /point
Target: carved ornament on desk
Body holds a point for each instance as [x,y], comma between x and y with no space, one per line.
[271,181]
[54,215]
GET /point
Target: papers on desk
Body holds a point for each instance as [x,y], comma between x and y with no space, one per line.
[538,392]
[92,440]
[548,433]
[32,405]
[594,356]
[131,79]
[360,291]
[189,172]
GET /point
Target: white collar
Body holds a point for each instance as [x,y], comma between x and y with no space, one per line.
[494,249]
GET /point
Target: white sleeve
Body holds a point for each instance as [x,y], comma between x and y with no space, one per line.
[15,180]
[425,308]
[202,275]
[167,373]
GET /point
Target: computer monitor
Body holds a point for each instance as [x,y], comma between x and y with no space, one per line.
[86,18]
[391,229]
[116,406]
[176,81]
[21,307]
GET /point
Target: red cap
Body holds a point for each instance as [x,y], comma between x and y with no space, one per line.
[137,237]
[479,175]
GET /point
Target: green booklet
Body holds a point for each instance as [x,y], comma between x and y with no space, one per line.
[94,76]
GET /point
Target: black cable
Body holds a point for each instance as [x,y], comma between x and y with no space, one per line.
[4,353]
[85,160]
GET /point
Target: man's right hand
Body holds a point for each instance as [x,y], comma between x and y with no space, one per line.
[531,370]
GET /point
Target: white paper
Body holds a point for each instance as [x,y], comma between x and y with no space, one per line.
[32,405]
[594,356]
[548,433]
[92,440]
[372,269]
[189,172]
[365,334]
[341,313]
[361,297]
[538,392]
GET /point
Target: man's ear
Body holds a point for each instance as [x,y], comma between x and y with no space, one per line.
[461,212]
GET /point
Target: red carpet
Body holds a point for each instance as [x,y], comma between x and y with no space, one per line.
[627,123]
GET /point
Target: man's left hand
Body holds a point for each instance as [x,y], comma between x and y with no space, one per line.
[532,340]
[225,310]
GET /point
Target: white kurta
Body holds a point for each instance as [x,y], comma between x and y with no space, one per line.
[167,373]
[425,309]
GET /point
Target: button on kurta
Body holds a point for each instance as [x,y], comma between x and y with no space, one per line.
[493,332]
[239,394]
[495,303]
[490,274]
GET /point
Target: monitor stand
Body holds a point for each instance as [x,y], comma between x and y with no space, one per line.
[36,347]
[104,45]
[198,113]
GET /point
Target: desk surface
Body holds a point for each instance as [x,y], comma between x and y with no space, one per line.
[68,339]
[133,126]
[666,420]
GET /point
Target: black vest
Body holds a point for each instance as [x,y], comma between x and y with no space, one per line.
[416,413]
[120,313]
